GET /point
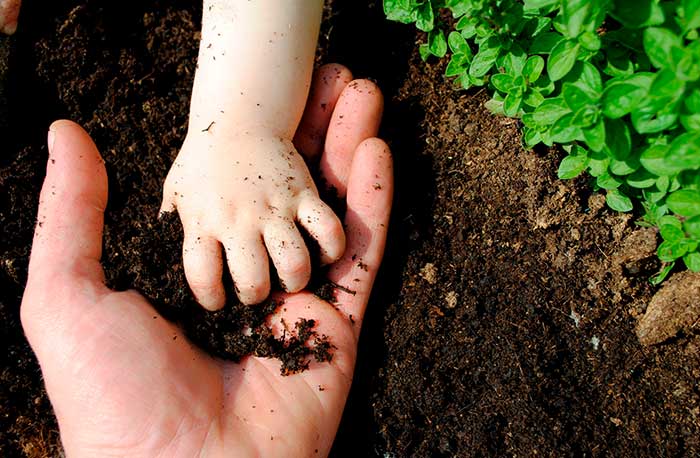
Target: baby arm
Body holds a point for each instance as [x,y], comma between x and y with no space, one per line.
[238,180]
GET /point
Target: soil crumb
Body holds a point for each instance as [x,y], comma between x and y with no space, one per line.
[675,308]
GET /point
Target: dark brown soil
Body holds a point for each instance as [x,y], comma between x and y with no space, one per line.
[146,256]
[503,321]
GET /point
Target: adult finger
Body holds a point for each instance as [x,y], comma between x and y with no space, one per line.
[65,258]
[327,84]
[356,118]
[370,192]
[68,236]
[9,11]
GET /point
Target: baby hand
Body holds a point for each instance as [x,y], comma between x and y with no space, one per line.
[247,192]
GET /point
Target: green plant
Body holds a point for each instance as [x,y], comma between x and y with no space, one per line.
[616,83]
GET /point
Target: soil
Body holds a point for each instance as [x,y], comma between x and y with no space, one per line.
[503,321]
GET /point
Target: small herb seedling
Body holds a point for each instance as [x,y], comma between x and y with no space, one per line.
[615,84]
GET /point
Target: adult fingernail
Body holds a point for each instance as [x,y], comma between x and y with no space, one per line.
[50,140]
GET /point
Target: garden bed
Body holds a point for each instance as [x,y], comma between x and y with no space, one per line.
[503,320]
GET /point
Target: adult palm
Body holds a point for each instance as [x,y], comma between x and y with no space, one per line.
[125,382]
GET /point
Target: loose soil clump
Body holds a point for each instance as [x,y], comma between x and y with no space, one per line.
[503,322]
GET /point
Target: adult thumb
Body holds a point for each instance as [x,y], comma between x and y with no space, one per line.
[67,242]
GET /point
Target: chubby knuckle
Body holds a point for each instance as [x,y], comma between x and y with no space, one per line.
[255,292]
[294,266]
[331,232]
[203,284]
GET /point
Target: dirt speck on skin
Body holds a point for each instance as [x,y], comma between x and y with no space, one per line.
[675,308]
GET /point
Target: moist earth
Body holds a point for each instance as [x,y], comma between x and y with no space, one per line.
[503,320]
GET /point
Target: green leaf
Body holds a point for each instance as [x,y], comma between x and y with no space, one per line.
[540,4]
[458,64]
[692,101]
[595,136]
[437,44]
[533,68]
[617,136]
[465,26]
[691,122]
[618,61]
[665,87]
[586,117]
[538,25]
[544,85]
[671,233]
[550,111]
[588,78]
[590,41]
[486,57]
[598,167]
[502,82]
[424,51]
[396,10]
[686,64]
[463,81]
[625,167]
[620,98]
[692,227]
[575,97]
[458,7]
[533,98]
[654,160]
[531,137]
[618,201]
[544,43]
[674,185]
[641,179]
[692,261]
[495,107]
[511,104]
[658,43]
[663,273]
[574,15]
[684,152]
[563,132]
[685,202]
[608,182]
[691,14]
[572,166]
[514,60]
[670,220]
[562,59]
[670,251]
[457,43]
[638,13]
[425,18]
[649,121]
[652,213]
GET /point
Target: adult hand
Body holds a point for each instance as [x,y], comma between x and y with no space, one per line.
[125,384]
[9,11]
